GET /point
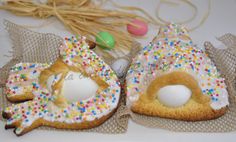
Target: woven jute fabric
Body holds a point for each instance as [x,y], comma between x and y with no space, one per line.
[29,46]
[225,61]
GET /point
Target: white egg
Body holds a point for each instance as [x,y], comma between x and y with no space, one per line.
[78,87]
[75,86]
[174,95]
[120,66]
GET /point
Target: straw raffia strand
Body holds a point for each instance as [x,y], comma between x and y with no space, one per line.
[80,17]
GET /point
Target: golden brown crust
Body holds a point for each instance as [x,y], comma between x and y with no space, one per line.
[91,44]
[196,109]
[21,98]
[190,112]
[74,126]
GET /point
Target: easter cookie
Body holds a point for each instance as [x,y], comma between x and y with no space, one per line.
[77,91]
[171,78]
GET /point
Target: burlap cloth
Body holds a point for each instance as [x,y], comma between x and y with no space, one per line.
[225,60]
[29,46]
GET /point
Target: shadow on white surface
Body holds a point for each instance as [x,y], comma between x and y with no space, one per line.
[136,133]
[221,20]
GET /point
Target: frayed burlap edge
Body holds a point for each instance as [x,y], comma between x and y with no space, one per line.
[225,61]
[29,46]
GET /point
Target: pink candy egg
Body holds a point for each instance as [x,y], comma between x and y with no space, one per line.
[137,28]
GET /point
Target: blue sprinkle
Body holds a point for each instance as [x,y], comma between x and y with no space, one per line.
[15,87]
[82,109]
[192,66]
[34,71]
[20,68]
[32,66]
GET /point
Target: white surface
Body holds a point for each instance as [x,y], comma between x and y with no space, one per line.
[222,20]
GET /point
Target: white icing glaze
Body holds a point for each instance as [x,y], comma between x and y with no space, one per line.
[174,95]
[23,74]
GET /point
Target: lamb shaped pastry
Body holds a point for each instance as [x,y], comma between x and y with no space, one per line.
[171,78]
[77,91]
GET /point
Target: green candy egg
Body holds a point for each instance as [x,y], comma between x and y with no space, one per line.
[105,40]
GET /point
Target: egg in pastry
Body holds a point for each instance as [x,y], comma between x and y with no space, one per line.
[78,91]
[171,78]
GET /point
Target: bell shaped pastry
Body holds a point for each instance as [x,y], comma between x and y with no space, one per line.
[78,91]
[171,78]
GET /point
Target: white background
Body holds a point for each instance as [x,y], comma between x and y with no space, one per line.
[222,19]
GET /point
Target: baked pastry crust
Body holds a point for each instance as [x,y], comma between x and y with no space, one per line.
[172,78]
[197,108]
[43,103]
